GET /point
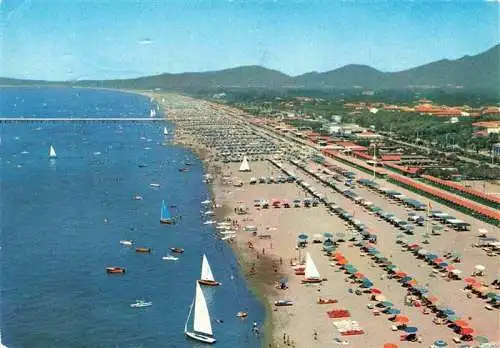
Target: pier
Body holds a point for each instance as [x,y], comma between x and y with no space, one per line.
[79,119]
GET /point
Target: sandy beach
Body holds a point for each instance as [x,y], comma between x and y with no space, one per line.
[267,256]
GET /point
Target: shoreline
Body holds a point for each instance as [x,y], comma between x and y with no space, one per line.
[260,283]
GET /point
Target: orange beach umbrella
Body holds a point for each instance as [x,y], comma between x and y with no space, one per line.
[390,345]
[403,319]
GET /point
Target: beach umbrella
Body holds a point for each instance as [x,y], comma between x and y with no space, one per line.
[359,275]
[342,262]
[448,311]
[437,260]
[374,252]
[390,345]
[386,304]
[411,329]
[379,297]
[491,295]
[406,279]
[470,280]
[340,235]
[302,236]
[367,283]
[481,339]
[440,343]
[376,291]
[402,319]
[452,317]
[328,248]
[328,235]
[392,311]
[392,267]
[461,323]
[352,270]
[401,274]
[431,256]
[466,331]
[443,264]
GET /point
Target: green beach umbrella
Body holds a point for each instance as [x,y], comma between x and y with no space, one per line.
[481,339]
[328,235]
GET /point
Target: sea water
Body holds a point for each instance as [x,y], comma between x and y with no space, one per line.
[62,220]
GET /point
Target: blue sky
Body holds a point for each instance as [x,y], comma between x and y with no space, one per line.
[94,39]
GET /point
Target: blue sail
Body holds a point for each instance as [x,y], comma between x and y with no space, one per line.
[165,214]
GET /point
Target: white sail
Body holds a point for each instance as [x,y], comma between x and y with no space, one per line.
[201,322]
[244,167]
[206,271]
[165,131]
[52,152]
[311,270]
[152,113]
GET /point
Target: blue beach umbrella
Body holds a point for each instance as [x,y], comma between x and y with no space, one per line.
[386,303]
[440,343]
[406,279]
[448,311]
[443,264]
[422,290]
[392,311]
[367,283]
[328,235]
[431,256]
[411,329]
[302,236]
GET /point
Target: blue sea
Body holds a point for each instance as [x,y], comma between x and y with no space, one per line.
[62,220]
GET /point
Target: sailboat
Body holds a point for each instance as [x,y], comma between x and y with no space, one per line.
[165,217]
[152,113]
[244,167]
[165,131]
[52,152]
[202,328]
[207,277]
[311,272]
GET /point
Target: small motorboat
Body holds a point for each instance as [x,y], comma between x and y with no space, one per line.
[154,185]
[140,304]
[210,222]
[126,242]
[206,202]
[183,169]
[187,163]
[281,303]
[138,198]
[242,314]
[142,165]
[143,250]
[115,270]
[177,250]
[170,258]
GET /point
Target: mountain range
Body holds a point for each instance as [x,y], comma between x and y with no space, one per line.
[481,72]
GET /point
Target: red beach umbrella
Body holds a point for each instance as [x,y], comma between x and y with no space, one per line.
[438,261]
[376,291]
[470,280]
[466,331]
[461,323]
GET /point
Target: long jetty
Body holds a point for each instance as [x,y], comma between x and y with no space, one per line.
[79,119]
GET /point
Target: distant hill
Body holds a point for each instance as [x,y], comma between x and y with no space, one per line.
[481,71]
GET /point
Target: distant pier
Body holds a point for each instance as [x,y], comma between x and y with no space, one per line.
[79,119]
